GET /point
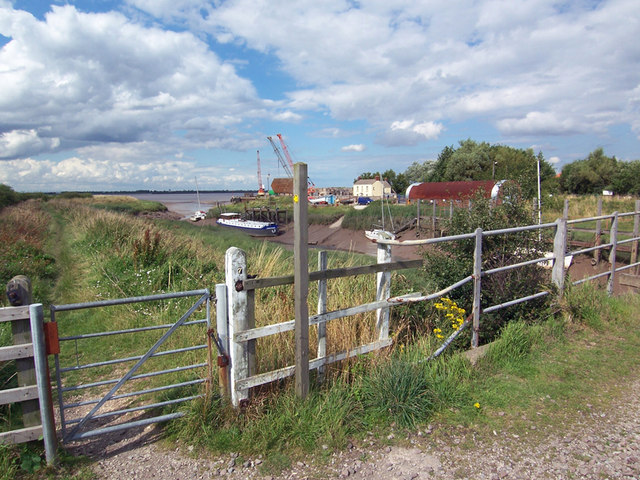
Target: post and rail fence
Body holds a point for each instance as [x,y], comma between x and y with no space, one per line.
[236,332]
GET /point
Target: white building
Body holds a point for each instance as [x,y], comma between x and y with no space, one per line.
[373,188]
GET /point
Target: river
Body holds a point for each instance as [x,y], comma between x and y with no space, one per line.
[186,203]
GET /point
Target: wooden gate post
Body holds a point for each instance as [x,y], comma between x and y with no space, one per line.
[19,294]
[559,250]
[383,291]
[613,239]
[301,276]
[477,288]
[241,317]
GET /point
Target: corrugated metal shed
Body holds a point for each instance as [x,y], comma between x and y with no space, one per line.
[452,190]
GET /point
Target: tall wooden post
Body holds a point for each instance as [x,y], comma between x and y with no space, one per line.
[613,239]
[383,289]
[477,288]
[559,250]
[19,294]
[433,218]
[322,308]
[597,253]
[565,209]
[241,317]
[301,276]
[418,217]
[636,233]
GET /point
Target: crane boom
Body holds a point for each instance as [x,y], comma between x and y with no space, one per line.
[280,158]
[286,151]
[311,187]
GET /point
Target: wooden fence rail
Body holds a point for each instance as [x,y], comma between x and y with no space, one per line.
[242,332]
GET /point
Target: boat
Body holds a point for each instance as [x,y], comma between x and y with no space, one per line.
[198,214]
[252,227]
[381,233]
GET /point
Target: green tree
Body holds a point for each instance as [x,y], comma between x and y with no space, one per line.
[627,178]
[419,172]
[591,175]
[8,196]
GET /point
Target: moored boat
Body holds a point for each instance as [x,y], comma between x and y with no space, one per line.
[252,227]
[379,234]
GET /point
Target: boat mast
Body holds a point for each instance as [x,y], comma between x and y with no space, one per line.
[198,194]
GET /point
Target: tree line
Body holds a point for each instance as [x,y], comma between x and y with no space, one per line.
[473,160]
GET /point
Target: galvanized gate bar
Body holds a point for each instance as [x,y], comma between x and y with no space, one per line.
[135,377]
[129,330]
[123,301]
[129,374]
[131,359]
[134,394]
[125,426]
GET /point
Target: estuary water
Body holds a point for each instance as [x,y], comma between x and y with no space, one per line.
[185,204]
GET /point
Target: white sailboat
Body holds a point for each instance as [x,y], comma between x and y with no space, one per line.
[382,233]
[198,214]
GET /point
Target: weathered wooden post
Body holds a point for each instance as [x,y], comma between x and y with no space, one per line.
[613,239]
[598,242]
[19,294]
[477,288]
[636,233]
[241,317]
[418,217]
[301,278]
[322,308]
[565,209]
[559,250]
[450,209]
[222,328]
[383,291]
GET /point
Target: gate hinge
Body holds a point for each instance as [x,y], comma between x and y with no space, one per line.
[223,360]
[239,286]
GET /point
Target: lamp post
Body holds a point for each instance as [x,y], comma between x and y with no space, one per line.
[539,206]
[493,170]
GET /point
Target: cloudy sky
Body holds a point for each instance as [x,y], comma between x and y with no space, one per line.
[150,94]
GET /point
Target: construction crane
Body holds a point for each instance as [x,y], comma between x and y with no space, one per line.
[260,185]
[311,187]
[289,171]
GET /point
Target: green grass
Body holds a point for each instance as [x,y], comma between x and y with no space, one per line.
[554,366]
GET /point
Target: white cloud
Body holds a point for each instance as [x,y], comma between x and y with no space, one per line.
[18,143]
[536,123]
[554,160]
[91,78]
[354,148]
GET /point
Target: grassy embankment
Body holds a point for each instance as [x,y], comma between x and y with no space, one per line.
[567,356]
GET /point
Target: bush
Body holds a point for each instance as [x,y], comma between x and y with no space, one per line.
[453,261]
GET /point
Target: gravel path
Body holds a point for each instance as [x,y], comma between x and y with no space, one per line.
[597,445]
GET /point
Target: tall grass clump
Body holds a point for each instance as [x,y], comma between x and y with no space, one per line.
[23,251]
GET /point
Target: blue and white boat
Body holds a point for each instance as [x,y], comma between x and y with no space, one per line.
[252,227]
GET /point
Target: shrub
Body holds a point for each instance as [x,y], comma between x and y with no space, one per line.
[453,261]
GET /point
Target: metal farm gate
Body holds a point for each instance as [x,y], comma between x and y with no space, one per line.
[136,388]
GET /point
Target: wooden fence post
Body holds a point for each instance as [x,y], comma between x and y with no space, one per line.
[222,328]
[418,217]
[597,252]
[383,291]
[636,233]
[19,294]
[240,310]
[477,288]
[301,276]
[559,250]
[565,209]
[322,308]
[613,239]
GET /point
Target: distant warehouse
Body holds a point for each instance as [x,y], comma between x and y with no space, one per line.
[456,191]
